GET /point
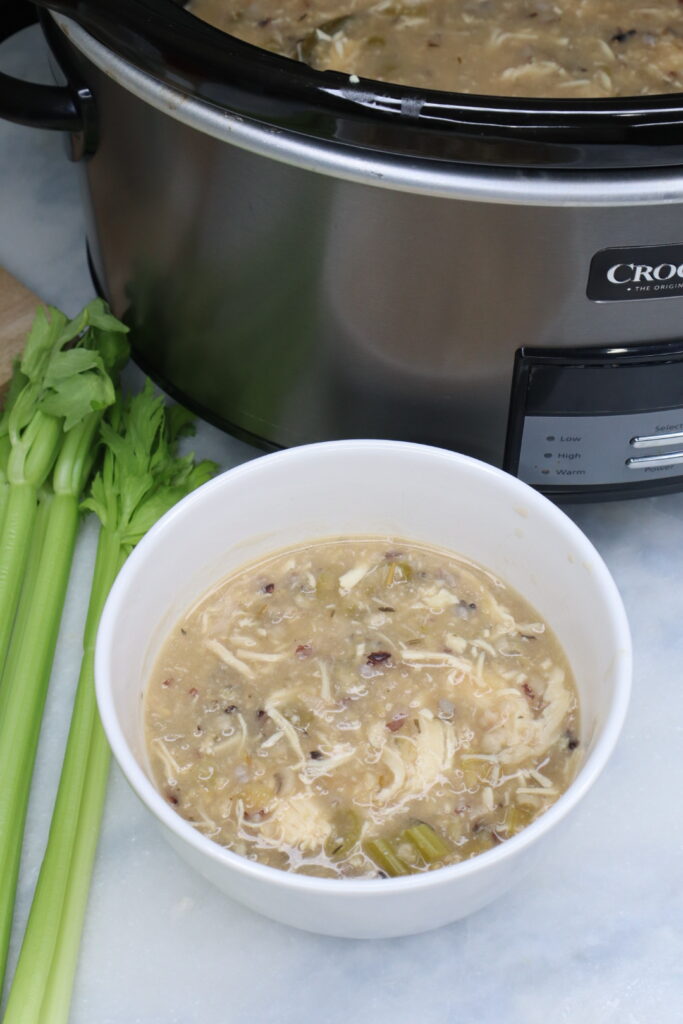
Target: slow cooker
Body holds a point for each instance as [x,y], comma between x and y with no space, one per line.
[304,256]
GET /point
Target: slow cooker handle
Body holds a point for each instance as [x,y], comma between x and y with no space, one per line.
[38,106]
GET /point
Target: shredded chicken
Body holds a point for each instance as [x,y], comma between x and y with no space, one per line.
[299,822]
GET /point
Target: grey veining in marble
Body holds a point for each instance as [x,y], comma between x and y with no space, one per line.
[593,937]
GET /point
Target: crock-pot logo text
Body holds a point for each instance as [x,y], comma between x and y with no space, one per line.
[641,273]
[637,273]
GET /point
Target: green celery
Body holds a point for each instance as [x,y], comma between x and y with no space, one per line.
[4,483]
[347,828]
[15,543]
[26,676]
[382,853]
[31,573]
[14,540]
[16,384]
[58,397]
[8,885]
[63,378]
[140,479]
[82,783]
[428,842]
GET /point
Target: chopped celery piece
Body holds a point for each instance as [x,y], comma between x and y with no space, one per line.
[475,771]
[316,871]
[428,842]
[405,573]
[518,817]
[326,582]
[346,831]
[382,853]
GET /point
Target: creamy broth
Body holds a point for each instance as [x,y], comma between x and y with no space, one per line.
[362,707]
[535,48]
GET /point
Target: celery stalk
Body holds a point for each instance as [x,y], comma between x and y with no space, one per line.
[59,904]
[25,680]
[57,399]
[29,662]
[57,998]
[141,478]
[32,565]
[15,543]
[4,483]
[16,385]
[63,379]
[9,882]
[30,460]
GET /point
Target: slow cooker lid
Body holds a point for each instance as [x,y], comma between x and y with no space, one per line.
[162,39]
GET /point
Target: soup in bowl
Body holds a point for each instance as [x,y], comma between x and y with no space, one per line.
[331,763]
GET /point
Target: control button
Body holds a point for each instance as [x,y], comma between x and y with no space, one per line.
[656,440]
[668,459]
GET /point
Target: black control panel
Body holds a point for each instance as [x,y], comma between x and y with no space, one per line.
[599,422]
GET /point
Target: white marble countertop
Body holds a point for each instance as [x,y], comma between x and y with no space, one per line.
[595,936]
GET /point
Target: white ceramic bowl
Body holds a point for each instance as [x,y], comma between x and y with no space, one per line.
[365,487]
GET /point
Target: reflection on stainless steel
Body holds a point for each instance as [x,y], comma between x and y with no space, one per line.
[665,459]
[657,440]
[295,305]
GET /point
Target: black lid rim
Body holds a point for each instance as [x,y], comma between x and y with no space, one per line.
[167,42]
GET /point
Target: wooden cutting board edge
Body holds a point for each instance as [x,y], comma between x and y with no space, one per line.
[17,309]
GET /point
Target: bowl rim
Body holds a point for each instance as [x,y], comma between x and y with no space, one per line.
[145,790]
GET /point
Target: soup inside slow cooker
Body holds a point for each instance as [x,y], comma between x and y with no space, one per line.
[534,48]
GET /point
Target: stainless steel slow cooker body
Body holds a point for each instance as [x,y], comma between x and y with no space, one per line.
[296,278]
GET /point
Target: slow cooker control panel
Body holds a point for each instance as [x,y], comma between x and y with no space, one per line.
[598,420]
